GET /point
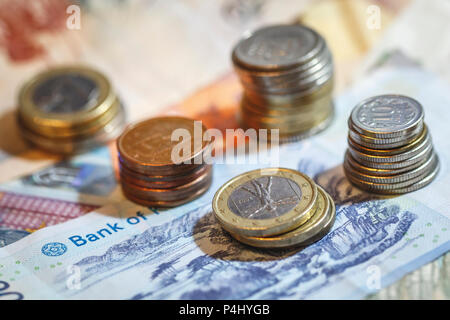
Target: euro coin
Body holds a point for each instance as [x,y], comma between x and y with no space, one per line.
[265,202]
[309,232]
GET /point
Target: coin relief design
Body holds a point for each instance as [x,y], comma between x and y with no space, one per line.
[66,93]
[151,141]
[265,197]
[388,112]
[280,45]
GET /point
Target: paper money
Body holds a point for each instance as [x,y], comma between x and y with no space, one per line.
[126,251]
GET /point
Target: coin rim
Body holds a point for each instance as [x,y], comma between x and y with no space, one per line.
[264,227]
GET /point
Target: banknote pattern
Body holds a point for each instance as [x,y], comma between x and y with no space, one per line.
[128,252]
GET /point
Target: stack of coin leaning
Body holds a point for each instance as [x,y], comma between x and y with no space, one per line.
[389,146]
[287,75]
[69,110]
[274,208]
[158,171]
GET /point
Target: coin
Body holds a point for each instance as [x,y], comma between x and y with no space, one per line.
[277,47]
[414,184]
[390,155]
[265,202]
[69,109]
[312,230]
[287,76]
[148,146]
[390,150]
[386,116]
[159,169]
[423,170]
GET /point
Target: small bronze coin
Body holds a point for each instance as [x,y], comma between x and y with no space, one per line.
[163,145]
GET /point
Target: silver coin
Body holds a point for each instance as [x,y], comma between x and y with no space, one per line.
[385,143]
[278,75]
[368,169]
[420,157]
[413,186]
[357,153]
[280,78]
[277,47]
[423,170]
[387,116]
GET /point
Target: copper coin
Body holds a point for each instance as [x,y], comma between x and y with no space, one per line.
[165,204]
[147,147]
[166,198]
[173,194]
[153,182]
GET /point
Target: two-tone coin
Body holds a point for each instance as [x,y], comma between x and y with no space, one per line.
[287,75]
[390,150]
[162,161]
[69,110]
[273,207]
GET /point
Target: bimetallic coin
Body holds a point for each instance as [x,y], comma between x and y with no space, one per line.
[265,202]
[319,224]
[423,170]
[64,97]
[387,116]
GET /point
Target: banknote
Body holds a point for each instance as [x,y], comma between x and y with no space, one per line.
[59,192]
[125,251]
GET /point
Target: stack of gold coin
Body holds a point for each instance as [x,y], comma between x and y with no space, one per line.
[69,110]
[158,171]
[274,208]
[287,75]
[390,149]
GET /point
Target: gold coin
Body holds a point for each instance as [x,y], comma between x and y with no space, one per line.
[59,101]
[265,202]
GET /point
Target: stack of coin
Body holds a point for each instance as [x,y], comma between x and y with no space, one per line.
[274,208]
[69,110]
[287,75]
[390,149]
[158,171]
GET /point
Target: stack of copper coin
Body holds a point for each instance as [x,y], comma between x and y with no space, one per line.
[287,75]
[158,171]
[390,150]
[69,110]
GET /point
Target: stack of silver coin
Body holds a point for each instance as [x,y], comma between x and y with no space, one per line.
[390,149]
[287,75]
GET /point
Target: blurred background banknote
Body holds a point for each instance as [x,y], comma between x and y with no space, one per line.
[41,190]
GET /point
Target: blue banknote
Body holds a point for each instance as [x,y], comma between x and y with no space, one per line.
[124,251]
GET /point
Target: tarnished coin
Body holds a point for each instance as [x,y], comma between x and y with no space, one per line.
[277,47]
[386,116]
[265,202]
[312,230]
